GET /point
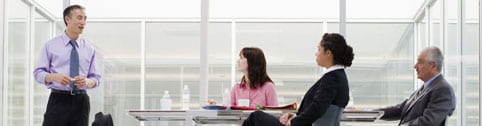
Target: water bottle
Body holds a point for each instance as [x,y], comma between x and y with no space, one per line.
[185,99]
[226,98]
[166,101]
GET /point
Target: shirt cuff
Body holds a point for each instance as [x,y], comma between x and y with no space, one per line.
[41,78]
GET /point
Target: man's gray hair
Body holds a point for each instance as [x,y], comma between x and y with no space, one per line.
[434,55]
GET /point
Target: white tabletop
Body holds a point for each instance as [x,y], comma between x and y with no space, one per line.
[233,116]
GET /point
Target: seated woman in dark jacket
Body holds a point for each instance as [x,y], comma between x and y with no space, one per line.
[326,99]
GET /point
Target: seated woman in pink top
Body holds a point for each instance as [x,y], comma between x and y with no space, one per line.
[255,88]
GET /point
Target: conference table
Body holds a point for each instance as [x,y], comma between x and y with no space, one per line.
[194,117]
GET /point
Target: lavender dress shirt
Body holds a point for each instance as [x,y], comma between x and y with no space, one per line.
[55,58]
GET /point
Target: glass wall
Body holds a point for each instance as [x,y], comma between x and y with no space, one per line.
[2,27]
[382,76]
[451,69]
[43,32]
[2,74]
[17,62]
[119,63]
[220,54]
[435,28]
[17,73]
[172,61]
[470,63]
[423,34]
[461,54]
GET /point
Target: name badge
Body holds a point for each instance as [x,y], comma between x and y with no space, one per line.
[243,102]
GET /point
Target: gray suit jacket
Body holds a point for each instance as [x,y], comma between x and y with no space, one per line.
[331,117]
[430,108]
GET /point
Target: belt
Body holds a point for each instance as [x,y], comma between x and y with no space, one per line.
[71,92]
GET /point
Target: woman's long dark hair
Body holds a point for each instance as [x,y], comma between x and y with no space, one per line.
[342,52]
[257,74]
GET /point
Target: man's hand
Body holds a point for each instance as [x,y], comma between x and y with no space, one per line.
[81,82]
[59,78]
[286,118]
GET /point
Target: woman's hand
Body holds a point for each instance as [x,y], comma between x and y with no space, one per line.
[286,118]
[212,102]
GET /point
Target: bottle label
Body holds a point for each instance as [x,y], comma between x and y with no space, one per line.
[185,98]
[166,104]
[185,102]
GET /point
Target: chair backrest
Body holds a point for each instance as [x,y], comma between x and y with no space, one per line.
[332,117]
[445,121]
[103,120]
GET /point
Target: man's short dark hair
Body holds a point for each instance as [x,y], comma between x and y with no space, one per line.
[69,9]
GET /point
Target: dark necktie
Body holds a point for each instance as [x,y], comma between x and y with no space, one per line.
[417,94]
[420,91]
[74,63]
[410,102]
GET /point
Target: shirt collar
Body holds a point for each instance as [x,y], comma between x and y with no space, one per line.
[332,68]
[66,40]
[430,81]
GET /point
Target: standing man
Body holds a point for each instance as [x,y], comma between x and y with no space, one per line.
[433,102]
[67,66]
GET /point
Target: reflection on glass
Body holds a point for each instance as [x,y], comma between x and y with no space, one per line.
[118,49]
[40,92]
[17,73]
[435,14]
[172,60]
[451,52]
[450,71]
[17,22]
[219,57]
[389,69]
[422,33]
[470,64]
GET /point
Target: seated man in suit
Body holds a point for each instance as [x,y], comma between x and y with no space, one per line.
[433,102]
